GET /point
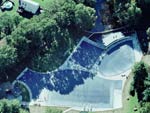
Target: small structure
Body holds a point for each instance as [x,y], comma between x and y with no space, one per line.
[8,5]
[28,6]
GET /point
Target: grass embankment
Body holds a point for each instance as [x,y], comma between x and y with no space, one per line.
[131,104]
[43,109]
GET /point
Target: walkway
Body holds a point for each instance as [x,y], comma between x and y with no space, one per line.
[98,24]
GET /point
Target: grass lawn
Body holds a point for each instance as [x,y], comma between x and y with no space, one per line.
[13,11]
[131,105]
[43,4]
[42,109]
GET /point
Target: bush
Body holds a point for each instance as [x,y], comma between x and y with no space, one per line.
[11,106]
[145,108]
[140,74]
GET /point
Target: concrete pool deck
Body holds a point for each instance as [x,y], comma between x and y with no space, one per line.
[120,61]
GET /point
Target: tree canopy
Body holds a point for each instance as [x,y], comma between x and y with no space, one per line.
[128,13]
[8,57]
[145,108]
[141,81]
[50,35]
[7,24]
[11,106]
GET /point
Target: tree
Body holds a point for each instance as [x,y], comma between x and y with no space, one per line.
[7,24]
[90,3]
[48,38]
[147,81]
[11,106]
[144,2]
[70,15]
[145,108]
[140,74]
[20,43]
[50,32]
[146,92]
[127,13]
[148,32]
[8,57]
[1,1]
[84,17]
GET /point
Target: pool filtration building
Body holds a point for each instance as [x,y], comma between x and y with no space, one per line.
[28,6]
[90,79]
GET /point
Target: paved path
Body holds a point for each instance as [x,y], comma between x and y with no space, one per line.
[98,24]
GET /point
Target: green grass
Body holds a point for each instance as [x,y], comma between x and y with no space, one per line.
[42,109]
[13,11]
[131,104]
[43,4]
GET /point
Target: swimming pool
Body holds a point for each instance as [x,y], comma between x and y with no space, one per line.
[118,58]
[85,54]
[61,81]
[82,87]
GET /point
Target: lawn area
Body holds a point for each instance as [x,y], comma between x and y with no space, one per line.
[43,4]
[14,10]
[42,109]
[131,105]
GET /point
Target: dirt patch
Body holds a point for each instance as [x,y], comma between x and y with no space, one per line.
[146,59]
[3,42]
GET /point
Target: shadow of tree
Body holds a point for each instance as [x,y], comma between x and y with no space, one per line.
[142,36]
[66,80]
[61,81]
